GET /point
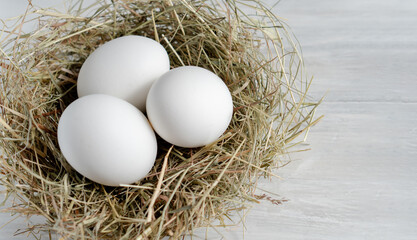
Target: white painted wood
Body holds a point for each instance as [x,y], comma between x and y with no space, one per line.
[359,181]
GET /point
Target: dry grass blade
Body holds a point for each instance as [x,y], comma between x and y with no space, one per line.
[187,188]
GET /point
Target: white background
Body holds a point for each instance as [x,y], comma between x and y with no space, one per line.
[360,180]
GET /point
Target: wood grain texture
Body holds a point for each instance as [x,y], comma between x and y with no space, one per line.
[360,180]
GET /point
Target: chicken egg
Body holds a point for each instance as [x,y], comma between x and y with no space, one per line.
[107,140]
[124,67]
[189,106]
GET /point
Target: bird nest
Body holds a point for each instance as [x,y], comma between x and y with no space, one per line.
[245,44]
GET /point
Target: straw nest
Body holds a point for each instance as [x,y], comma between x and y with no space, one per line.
[187,188]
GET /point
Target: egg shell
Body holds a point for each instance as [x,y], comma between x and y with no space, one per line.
[124,67]
[189,106]
[107,140]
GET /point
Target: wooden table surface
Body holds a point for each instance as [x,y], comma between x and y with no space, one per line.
[359,181]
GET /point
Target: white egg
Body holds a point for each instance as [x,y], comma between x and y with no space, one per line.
[107,140]
[124,67]
[189,106]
